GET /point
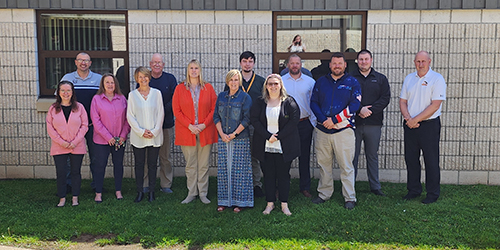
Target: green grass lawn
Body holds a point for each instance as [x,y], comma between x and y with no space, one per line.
[465,217]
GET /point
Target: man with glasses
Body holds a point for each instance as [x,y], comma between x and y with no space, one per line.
[166,83]
[86,85]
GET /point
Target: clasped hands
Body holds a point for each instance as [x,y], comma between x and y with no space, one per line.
[328,123]
[196,129]
[147,134]
[68,145]
[412,122]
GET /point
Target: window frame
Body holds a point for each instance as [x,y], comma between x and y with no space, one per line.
[43,54]
[277,56]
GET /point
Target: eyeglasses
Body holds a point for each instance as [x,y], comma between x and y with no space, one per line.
[273,83]
[157,63]
[83,60]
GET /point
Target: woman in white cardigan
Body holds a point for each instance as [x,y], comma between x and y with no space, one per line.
[145,116]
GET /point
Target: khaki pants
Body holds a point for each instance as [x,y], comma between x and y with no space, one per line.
[197,159]
[166,171]
[342,145]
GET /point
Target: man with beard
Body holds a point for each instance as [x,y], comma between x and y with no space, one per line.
[376,96]
[300,87]
[166,83]
[335,99]
[252,85]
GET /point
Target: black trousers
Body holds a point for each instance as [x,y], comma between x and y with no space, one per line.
[425,138]
[305,133]
[61,162]
[140,161]
[101,154]
[276,172]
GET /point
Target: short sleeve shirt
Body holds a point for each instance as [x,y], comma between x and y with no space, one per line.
[421,91]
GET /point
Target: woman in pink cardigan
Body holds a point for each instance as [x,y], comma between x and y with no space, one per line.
[67,124]
[109,116]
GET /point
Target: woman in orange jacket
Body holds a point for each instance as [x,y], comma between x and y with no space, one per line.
[193,104]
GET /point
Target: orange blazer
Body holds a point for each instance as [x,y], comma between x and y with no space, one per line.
[183,107]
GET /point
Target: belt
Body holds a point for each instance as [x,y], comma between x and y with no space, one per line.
[304,119]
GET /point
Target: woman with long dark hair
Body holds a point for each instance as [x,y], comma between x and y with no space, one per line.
[67,123]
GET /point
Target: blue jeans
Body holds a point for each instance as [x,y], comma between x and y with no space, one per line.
[101,154]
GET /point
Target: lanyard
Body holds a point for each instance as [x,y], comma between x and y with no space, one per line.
[249,85]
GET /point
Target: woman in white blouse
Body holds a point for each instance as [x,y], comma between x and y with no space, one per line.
[145,116]
[276,140]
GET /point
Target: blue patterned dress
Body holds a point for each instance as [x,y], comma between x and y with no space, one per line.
[234,173]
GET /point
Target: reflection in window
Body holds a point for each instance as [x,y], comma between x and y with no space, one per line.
[318,32]
[83,32]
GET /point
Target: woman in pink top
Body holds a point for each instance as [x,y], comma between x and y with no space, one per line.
[67,124]
[109,116]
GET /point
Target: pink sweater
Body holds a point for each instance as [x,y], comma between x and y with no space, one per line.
[72,131]
[109,118]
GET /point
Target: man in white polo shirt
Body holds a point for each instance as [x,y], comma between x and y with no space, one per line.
[420,103]
[300,87]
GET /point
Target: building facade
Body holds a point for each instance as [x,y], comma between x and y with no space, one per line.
[463,38]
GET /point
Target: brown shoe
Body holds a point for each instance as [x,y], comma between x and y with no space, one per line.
[306,193]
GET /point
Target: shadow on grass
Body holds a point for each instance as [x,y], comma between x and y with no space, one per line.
[464,217]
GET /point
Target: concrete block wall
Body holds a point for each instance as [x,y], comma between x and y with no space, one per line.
[464,46]
[215,38]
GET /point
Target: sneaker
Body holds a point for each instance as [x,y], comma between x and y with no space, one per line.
[204,199]
[318,200]
[350,205]
[188,200]
[166,190]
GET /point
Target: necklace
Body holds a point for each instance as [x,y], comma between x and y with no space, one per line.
[144,94]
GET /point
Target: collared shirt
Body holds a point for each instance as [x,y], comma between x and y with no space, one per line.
[145,114]
[85,88]
[421,91]
[301,90]
[110,118]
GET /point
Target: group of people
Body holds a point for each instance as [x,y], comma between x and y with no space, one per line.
[260,126]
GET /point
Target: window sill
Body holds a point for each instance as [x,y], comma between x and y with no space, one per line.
[43,104]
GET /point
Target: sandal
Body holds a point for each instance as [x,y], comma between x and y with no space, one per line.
[221,208]
[237,209]
[268,209]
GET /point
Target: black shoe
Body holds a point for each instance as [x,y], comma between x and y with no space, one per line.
[257,191]
[318,200]
[349,205]
[410,196]
[151,196]
[378,192]
[140,196]
[429,200]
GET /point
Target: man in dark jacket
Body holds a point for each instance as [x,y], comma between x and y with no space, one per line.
[376,96]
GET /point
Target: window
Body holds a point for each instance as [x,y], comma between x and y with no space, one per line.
[335,31]
[62,35]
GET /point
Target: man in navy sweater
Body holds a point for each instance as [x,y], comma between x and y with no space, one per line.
[335,99]
[165,83]
[376,96]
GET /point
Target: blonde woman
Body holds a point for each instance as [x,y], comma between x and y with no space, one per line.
[193,104]
[145,116]
[276,140]
[234,168]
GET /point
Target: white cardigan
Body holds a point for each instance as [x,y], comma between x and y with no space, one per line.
[145,114]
